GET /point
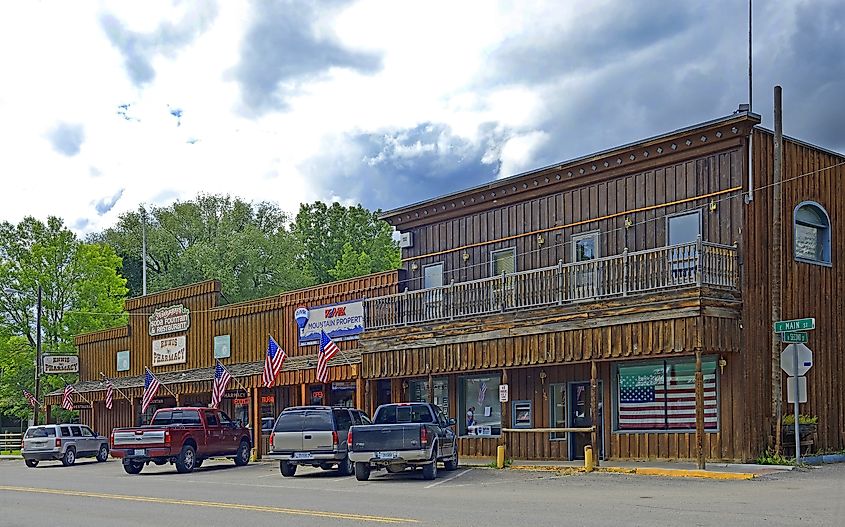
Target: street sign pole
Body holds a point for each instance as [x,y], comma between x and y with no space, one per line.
[795,407]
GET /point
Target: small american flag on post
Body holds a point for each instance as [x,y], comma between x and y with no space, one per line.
[221,379]
[273,362]
[151,385]
[328,349]
[67,400]
[31,398]
[109,394]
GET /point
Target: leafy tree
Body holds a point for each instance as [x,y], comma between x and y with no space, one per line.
[343,242]
[248,247]
[82,292]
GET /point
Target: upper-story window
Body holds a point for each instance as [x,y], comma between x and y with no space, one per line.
[683,228]
[503,261]
[433,275]
[812,233]
[585,247]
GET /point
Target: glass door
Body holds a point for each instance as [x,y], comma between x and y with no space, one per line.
[580,416]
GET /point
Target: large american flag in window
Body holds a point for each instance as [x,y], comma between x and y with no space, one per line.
[661,396]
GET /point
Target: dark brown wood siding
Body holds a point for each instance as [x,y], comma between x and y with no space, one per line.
[809,174]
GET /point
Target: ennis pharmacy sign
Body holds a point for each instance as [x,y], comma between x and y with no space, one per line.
[170,320]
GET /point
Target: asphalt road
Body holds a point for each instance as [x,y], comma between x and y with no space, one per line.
[93,494]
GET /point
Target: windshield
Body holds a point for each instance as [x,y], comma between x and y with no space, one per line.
[410,413]
[41,432]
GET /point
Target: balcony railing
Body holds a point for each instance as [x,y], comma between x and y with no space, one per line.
[676,266]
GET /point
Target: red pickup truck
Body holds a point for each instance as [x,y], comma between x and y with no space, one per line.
[181,436]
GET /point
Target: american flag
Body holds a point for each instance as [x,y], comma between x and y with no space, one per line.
[328,349]
[221,379]
[665,402]
[151,385]
[273,362]
[31,398]
[109,394]
[67,401]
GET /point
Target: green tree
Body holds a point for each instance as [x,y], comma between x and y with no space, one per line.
[343,242]
[82,292]
[248,247]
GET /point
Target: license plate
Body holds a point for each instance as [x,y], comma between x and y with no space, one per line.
[387,455]
[138,452]
[302,455]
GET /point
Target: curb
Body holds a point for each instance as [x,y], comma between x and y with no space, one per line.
[823,459]
[644,471]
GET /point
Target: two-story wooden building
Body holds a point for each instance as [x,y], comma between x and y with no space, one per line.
[617,268]
[628,261]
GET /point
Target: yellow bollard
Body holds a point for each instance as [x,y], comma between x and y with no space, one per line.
[253,455]
[500,456]
[588,458]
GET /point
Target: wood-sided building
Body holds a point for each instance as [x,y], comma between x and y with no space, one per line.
[630,260]
[191,330]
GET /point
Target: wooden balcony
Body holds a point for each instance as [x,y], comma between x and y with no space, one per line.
[688,265]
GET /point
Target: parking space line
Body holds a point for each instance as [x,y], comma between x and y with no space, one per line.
[214,504]
[456,476]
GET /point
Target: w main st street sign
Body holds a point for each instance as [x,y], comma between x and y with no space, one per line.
[799,324]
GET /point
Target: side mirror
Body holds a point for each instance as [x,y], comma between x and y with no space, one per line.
[239,424]
[451,421]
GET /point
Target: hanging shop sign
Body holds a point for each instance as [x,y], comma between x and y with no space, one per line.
[169,351]
[60,364]
[339,321]
[170,320]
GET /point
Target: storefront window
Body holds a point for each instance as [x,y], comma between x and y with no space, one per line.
[241,410]
[343,394]
[558,402]
[155,404]
[418,392]
[661,396]
[316,395]
[479,406]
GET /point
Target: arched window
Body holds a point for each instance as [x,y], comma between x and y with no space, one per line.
[812,233]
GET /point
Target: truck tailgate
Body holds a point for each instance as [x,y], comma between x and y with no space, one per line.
[133,438]
[371,438]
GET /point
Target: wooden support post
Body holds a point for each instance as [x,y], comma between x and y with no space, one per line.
[430,389]
[303,389]
[256,421]
[359,393]
[505,413]
[594,411]
[699,411]
[775,273]
[47,414]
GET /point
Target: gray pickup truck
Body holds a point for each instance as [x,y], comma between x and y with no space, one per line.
[403,435]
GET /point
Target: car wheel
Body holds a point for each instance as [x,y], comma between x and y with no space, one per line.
[198,463]
[346,467]
[187,460]
[430,470]
[452,462]
[103,454]
[31,463]
[362,471]
[287,469]
[133,468]
[69,458]
[242,456]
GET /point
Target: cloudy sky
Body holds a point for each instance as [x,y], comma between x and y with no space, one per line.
[107,105]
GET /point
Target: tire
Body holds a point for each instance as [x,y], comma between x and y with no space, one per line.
[133,468]
[198,463]
[242,455]
[31,463]
[430,470]
[452,462]
[287,469]
[362,471]
[186,461]
[346,467]
[103,454]
[70,457]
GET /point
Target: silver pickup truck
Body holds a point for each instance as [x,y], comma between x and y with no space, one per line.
[404,435]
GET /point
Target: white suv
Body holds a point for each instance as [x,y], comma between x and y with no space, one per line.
[62,442]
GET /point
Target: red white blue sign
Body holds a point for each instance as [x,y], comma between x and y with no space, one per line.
[339,321]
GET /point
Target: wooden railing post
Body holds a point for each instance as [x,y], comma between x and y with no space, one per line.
[560,282]
[502,292]
[406,310]
[452,299]
[699,261]
[625,272]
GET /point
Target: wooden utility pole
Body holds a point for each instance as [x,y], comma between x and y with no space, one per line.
[699,411]
[776,263]
[594,411]
[506,423]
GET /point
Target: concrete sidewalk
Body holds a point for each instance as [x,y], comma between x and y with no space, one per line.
[646,468]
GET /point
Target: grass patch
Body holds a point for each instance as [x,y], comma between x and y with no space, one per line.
[10,452]
[770,458]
